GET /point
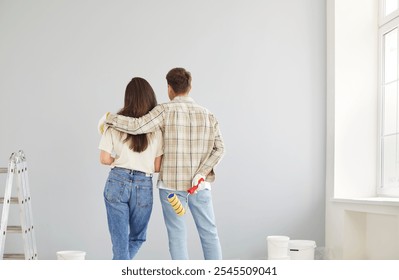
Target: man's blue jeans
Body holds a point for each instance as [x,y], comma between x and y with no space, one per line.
[201,209]
[128,199]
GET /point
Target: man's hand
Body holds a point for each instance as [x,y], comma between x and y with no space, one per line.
[101,123]
[109,118]
[198,184]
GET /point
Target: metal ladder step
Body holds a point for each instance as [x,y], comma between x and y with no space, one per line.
[3,169]
[14,229]
[14,200]
[13,257]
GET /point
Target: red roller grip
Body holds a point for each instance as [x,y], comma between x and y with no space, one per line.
[194,188]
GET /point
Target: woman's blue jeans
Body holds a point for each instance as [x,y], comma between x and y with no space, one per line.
[201,208]
[128,199]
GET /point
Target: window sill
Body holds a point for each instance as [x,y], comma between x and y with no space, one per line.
[377,201]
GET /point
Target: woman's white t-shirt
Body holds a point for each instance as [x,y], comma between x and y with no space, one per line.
[112,143]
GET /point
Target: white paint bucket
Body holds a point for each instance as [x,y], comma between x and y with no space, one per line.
[302,249]
[277,247]
[71,255]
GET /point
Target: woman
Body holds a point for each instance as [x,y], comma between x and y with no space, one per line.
[133,159]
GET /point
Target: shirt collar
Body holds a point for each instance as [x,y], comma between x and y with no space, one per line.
[181,98]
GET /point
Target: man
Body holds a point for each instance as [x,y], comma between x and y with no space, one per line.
[192,147]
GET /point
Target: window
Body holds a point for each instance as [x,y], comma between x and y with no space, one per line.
[388,10]
[390,6]
[389,99]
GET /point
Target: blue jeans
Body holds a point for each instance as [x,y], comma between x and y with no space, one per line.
[201,209]
[128,199]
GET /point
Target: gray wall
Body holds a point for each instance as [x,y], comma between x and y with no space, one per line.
[258,65]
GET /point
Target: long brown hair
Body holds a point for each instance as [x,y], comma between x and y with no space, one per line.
[139,100]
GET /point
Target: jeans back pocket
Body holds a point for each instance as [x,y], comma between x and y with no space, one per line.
[114,190]
[144,196]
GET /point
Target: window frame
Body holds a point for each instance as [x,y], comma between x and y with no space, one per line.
[391,22]
[383,19]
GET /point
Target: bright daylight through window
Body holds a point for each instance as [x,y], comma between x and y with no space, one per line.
[389,99]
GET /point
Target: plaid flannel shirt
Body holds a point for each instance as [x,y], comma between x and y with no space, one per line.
[192,140]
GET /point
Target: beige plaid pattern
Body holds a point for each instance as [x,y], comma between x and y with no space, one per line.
[192,140]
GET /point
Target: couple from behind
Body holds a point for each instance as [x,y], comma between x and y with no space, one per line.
[179,139]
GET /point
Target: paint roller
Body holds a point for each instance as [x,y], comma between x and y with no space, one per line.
[175,201]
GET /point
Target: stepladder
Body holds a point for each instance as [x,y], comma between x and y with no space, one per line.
[17,192]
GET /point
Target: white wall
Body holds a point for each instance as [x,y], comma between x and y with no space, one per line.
[258,65]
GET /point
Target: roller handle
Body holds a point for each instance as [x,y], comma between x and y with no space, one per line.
[194,188]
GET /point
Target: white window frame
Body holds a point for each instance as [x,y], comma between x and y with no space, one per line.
[384,19]
[387,24]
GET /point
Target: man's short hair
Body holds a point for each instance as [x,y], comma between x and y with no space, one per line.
[179,79]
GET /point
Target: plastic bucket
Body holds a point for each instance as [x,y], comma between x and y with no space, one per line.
[71,255]
[277,247]
[302,249]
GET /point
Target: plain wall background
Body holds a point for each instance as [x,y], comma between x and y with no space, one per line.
[258,65]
